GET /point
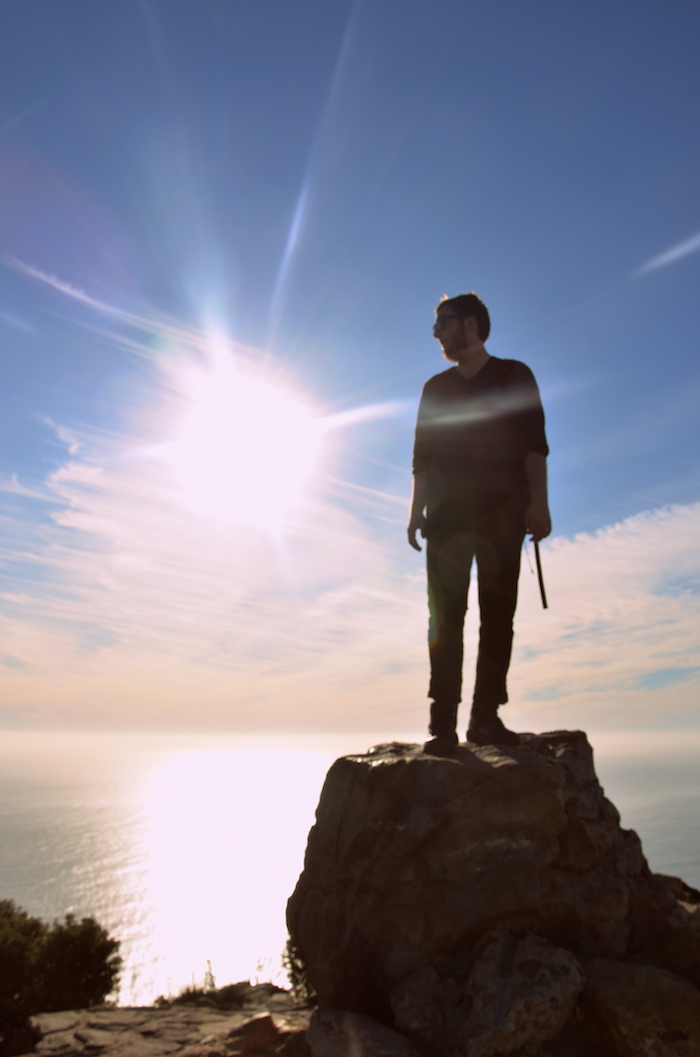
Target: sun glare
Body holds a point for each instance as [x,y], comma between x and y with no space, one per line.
[245,448]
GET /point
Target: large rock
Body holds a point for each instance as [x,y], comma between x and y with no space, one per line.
[519,992]
[336,1033]
[415,861]
[643,1010]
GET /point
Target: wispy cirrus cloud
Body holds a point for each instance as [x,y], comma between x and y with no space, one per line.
[674,253]
[618,646]
[11,485]
[12,320]
[149,323]
[122,609]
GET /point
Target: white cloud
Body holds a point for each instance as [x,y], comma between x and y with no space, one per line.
[12,486]
[124,608]
[13,320]
[672,254]
[618,647]
[136,611]
[139,614]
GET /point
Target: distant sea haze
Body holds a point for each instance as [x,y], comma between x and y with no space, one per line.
[187,848]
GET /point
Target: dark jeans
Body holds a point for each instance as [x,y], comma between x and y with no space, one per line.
[496,545]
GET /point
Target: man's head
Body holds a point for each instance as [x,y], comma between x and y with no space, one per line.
[461,322]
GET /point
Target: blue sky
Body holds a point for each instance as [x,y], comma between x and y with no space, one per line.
[198,199]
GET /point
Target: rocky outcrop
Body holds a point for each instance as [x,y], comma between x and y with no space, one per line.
[272,1024]
[475,903]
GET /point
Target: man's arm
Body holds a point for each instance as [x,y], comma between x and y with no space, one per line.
[417,519]
[537,519]
[422,458]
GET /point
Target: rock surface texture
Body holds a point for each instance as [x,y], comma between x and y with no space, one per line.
[273,1025]
[335,1033]
[490,903]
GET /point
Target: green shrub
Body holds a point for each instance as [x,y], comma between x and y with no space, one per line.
[21,941]
[47,967]
[80,965]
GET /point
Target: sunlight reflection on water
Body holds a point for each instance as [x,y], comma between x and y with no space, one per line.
[225,832]
[187,854]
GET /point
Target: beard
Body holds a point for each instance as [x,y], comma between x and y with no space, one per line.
[453,352]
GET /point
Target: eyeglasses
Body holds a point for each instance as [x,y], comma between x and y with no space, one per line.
[440,320]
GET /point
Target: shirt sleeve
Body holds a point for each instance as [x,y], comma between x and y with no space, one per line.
[527,412]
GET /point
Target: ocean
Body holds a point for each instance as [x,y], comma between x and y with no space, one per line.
[186,848]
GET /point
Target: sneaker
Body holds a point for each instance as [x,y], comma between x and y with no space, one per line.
[490,731]
[441,744]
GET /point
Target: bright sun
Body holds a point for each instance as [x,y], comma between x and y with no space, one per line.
[245,448]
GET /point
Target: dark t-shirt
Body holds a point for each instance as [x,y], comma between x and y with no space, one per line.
[472,438]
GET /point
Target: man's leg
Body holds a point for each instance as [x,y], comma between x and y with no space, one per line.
[449,566]
[498,550]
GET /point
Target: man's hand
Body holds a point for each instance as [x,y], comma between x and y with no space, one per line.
[537,520]
[416,524]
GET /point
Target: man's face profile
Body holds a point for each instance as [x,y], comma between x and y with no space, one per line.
[450,331]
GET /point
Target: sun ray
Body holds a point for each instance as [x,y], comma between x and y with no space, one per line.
[301,208]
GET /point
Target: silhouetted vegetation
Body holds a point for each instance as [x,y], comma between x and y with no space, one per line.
[46,967]
[299,982]
[232,996]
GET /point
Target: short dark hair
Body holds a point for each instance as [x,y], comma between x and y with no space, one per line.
[464,305]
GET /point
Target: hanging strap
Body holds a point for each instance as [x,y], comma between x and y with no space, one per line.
[540,578]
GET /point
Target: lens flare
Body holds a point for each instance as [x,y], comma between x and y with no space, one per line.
[245,448]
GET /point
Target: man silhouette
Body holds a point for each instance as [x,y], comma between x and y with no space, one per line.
[480,483]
